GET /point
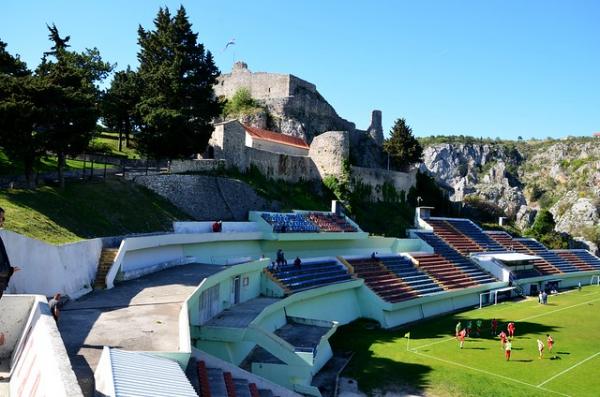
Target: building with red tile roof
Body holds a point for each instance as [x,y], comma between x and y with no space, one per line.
[275,137]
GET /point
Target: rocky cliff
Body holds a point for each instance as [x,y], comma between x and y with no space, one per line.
[525,176]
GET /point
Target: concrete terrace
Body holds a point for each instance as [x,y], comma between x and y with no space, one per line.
[240,316]
[136,315]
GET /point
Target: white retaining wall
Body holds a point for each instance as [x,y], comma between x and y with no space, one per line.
[47,269]
[40,364]
[206,227]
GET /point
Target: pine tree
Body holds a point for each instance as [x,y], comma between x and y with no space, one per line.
[19,97]
[402,147]
[119,103]
[70,98]
[177,103]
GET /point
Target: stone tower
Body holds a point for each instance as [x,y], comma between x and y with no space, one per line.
[375,130]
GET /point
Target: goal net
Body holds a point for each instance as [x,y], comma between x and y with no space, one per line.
[595,280]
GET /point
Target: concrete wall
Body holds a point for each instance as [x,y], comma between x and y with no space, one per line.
[40,363]
[47,269]
[206,227]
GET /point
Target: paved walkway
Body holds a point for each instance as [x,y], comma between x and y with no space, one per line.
[240,316]
[137,315]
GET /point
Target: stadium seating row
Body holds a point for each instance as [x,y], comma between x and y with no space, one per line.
[314,222]
[310,275]
[446,259]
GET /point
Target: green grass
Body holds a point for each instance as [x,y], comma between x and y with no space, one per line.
[109,142]
[47,164]
[86,210]
[436,366]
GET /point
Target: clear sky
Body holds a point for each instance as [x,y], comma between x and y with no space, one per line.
[504,68]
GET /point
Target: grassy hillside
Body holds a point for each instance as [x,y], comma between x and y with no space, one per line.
[85,210]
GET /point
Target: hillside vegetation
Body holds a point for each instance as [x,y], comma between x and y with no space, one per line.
[86,210]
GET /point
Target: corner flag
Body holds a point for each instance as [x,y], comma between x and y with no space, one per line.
[407,335]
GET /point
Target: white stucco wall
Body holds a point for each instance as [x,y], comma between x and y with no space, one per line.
[206,227]
[47,269]
[40,363]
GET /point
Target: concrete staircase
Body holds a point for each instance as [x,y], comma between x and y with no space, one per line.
[107,258]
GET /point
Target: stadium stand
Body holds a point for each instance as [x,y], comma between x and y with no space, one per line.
[446,258]
[539,249]
[453,237]
[475,233]
[507,241]
[581,259]
[310,275]
[330,222]
[418,280]
[382,281]
[290,223]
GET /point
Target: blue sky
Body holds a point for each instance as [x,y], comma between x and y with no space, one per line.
[483,68]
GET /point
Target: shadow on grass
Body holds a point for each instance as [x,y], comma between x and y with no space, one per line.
[378,372]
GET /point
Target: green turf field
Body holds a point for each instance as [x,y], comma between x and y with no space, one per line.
[434,365]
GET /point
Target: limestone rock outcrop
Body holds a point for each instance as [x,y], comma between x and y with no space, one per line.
[562,176]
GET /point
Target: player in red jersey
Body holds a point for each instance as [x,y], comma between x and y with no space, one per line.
[461,337]
[503,339]
[550,342]
[511,329]
[494,326]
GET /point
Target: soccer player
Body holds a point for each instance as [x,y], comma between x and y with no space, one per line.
[503,339]
[550,342]
[469,327]
[458,328]
[511,329]
[507,350]
[540,348]
[478,325]
[461,337]
[494,326]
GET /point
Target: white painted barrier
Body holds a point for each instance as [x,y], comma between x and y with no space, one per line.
[47,269]
[40,363]
[206,227]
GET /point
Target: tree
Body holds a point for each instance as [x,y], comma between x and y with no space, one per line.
[177,102]
[119,104]
[70,98]
[402,147]
[19,112]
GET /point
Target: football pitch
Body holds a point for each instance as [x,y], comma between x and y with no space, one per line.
[431,362]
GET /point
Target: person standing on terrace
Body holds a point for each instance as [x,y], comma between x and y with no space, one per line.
[6,270]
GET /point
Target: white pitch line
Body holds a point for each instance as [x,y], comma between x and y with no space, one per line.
[433,343]
[558,310]
[568,369]
[489,373]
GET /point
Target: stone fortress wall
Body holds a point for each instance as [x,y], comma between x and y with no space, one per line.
[296,108]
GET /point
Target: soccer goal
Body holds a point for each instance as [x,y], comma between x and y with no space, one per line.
[595,279]
[487,299]
[491,297]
